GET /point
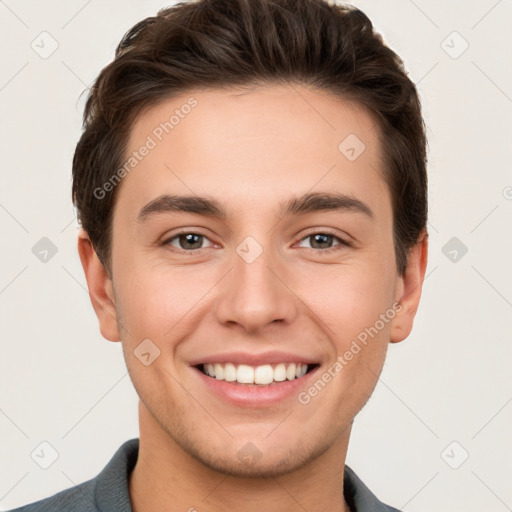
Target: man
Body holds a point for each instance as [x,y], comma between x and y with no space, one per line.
[251,185]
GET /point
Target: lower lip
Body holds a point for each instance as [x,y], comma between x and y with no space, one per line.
[245,395]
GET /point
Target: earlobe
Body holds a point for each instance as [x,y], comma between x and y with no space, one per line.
[100,288]
[411,284]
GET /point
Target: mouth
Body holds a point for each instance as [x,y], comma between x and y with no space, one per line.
[261,375]
[254,380]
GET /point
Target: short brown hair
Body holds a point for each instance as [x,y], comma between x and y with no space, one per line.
[209,44]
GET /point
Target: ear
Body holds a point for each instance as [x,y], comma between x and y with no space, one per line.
[100,287]
[409,290]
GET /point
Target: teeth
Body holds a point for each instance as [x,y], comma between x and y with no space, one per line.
[219,371]
[245,374]
[264,374]
[229,372]
[280,373]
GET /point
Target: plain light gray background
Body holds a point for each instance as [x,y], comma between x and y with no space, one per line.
[445,393]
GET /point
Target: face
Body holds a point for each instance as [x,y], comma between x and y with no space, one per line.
[282,255]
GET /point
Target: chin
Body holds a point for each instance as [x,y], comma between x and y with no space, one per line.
[260,459]
[263,467]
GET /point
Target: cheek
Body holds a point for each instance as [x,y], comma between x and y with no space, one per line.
[349,298]
[359,312]
[161,302]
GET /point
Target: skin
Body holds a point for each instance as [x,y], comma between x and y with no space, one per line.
[250,151]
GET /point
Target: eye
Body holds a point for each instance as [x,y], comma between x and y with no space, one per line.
[323,240]
[188,241]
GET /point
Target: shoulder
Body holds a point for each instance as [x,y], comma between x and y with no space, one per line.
[359,497]
[79,499]
[107,492]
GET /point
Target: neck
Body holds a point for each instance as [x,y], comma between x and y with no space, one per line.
[166,477]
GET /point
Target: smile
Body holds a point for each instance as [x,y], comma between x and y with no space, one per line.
[262,375]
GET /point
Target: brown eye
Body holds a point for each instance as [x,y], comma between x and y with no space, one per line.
[186,241]
[324,241]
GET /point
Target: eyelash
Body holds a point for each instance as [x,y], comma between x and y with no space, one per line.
[342,242]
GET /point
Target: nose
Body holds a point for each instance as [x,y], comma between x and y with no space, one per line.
[256,294]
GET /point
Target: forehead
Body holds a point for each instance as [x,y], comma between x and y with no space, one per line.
[253,145]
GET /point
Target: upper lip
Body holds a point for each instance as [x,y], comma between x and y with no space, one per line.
[253,359]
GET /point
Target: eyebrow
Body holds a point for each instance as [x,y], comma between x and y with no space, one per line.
[210,207]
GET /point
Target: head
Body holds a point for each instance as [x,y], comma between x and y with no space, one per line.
[288,125]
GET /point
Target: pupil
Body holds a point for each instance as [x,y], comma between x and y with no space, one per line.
[323,238]
[188,239]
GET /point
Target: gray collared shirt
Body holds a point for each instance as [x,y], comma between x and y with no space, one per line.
[108,492]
